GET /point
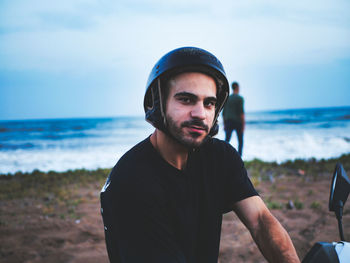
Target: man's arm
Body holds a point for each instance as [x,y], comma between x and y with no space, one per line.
[271,238]
[243,121]
[242,114]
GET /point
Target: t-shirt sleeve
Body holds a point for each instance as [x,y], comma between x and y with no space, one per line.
[242,105]
[236,184]
[137,228]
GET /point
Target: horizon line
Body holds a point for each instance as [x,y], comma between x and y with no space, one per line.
[139,116]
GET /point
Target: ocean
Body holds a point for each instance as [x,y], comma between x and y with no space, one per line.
[90,143]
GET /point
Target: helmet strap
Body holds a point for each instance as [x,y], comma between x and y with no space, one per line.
[161,102]
[215,128]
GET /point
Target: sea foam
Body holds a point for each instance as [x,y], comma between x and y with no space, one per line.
[65,144]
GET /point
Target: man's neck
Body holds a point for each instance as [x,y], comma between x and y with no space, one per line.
[172,151]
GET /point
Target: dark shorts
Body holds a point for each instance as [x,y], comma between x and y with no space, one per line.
[231,125]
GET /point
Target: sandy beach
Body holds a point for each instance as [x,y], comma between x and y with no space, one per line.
[55,217]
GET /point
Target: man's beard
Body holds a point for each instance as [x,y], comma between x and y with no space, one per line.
[179,135]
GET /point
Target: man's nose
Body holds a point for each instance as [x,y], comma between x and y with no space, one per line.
[198,111]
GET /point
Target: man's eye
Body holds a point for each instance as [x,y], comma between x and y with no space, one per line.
[185,100]
[210,104]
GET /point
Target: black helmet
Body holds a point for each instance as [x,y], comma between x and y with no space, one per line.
[185,59]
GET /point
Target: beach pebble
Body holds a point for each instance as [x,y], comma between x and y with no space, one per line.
[77,221]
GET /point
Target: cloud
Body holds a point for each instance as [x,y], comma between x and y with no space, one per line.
[130,36]
[86,35]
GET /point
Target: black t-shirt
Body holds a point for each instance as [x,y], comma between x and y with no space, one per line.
[153,212]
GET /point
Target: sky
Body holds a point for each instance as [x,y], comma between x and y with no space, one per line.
[91,58]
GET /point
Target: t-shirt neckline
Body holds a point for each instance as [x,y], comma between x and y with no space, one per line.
[162,160]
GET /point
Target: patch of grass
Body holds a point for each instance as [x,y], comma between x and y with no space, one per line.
[274,205]
[310,167]
[315,205]
[298,205]
[41,185]
[314,167]
[255,180]
[57,193]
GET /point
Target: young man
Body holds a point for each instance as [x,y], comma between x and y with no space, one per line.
[164,199]
[234,119]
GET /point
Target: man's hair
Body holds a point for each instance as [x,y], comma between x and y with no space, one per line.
[234,85]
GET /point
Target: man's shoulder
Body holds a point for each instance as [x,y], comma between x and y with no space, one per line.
[133,168]
[236,97]
[135,161]
[137,152]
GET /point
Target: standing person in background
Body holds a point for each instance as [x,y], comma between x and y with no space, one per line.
[233,114]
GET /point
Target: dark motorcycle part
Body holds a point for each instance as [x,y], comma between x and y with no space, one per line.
[321,252]
[340,189]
